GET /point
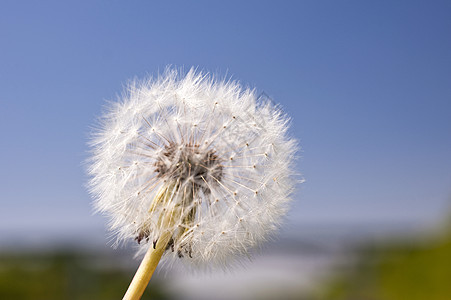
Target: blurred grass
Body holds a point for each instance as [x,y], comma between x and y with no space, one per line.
[65,275]
[398,270]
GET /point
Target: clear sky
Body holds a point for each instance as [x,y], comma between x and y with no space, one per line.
[367,83]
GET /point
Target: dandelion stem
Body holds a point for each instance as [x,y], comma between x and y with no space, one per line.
[154,254]
[147,268]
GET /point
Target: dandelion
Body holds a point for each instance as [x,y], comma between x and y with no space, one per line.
[191,168]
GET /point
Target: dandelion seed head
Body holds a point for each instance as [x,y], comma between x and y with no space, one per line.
[202,153]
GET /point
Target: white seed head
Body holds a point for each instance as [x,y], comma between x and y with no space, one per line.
[205,154]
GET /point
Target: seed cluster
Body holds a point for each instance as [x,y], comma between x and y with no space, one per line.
[203,160]
[190,164]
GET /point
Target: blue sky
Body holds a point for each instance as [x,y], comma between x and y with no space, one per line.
[367,83]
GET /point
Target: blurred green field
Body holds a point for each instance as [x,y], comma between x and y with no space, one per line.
[64,275]
[397,270]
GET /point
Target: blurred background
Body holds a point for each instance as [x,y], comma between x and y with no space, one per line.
[368,87]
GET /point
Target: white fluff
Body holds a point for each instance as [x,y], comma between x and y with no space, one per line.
[222,159]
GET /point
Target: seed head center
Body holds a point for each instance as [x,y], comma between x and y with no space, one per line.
[189,163]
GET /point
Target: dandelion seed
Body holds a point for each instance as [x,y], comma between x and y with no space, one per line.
[186,162]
